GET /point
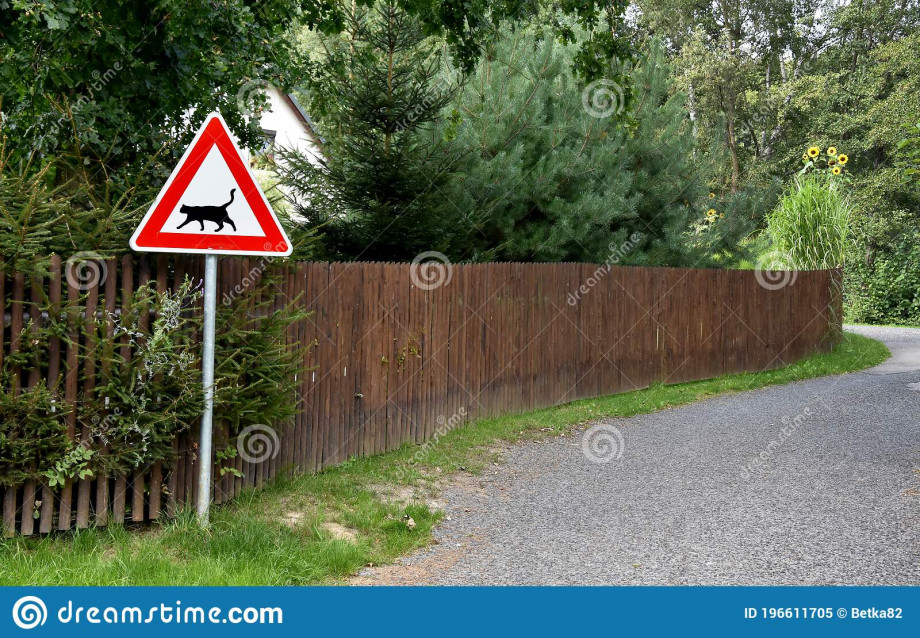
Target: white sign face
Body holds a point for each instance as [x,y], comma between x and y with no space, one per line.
[213,182]
[212,204]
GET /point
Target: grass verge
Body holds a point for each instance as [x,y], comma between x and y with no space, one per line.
[883,325]
[280,535]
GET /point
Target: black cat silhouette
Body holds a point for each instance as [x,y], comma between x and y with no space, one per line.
[201,214]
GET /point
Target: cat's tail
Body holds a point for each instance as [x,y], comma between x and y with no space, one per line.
[232,195]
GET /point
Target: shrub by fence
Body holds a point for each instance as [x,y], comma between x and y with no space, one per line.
[392,353]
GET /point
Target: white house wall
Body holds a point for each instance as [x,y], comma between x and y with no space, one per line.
[291,131]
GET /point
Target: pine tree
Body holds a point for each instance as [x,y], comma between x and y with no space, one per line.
[553,170]
[682,221]
[28,214]
[542,179]
[375,95]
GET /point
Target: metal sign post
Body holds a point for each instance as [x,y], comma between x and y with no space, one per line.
[207,381]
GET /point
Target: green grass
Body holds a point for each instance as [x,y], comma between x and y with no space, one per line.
[883,325]
[275,536]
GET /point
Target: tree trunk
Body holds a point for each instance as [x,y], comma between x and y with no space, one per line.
[732,143]
[691,106]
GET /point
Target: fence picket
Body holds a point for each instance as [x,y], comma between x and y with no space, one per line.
[30,489]
[9,491]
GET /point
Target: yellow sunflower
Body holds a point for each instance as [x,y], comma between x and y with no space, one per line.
[832,150]
[721,215]
[842,158]
[804,156]
[711,213]
[712,195]
[836,170]
[814,151]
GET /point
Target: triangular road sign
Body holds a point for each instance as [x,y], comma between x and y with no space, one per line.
[212,204]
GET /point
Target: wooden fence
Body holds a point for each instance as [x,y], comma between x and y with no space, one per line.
[401,350]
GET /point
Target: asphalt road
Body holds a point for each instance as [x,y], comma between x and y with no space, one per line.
[713,493]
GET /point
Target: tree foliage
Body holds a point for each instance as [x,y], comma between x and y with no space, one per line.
[379,87]
[770,77]
[534,173]
[110,83]
[521,162]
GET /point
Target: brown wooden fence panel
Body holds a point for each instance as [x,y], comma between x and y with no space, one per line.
[400,353]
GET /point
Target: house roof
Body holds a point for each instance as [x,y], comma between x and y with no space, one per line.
[303,114]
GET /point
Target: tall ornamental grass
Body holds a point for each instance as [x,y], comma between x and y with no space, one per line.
[809,226]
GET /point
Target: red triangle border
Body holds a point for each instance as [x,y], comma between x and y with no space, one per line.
[150,237]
